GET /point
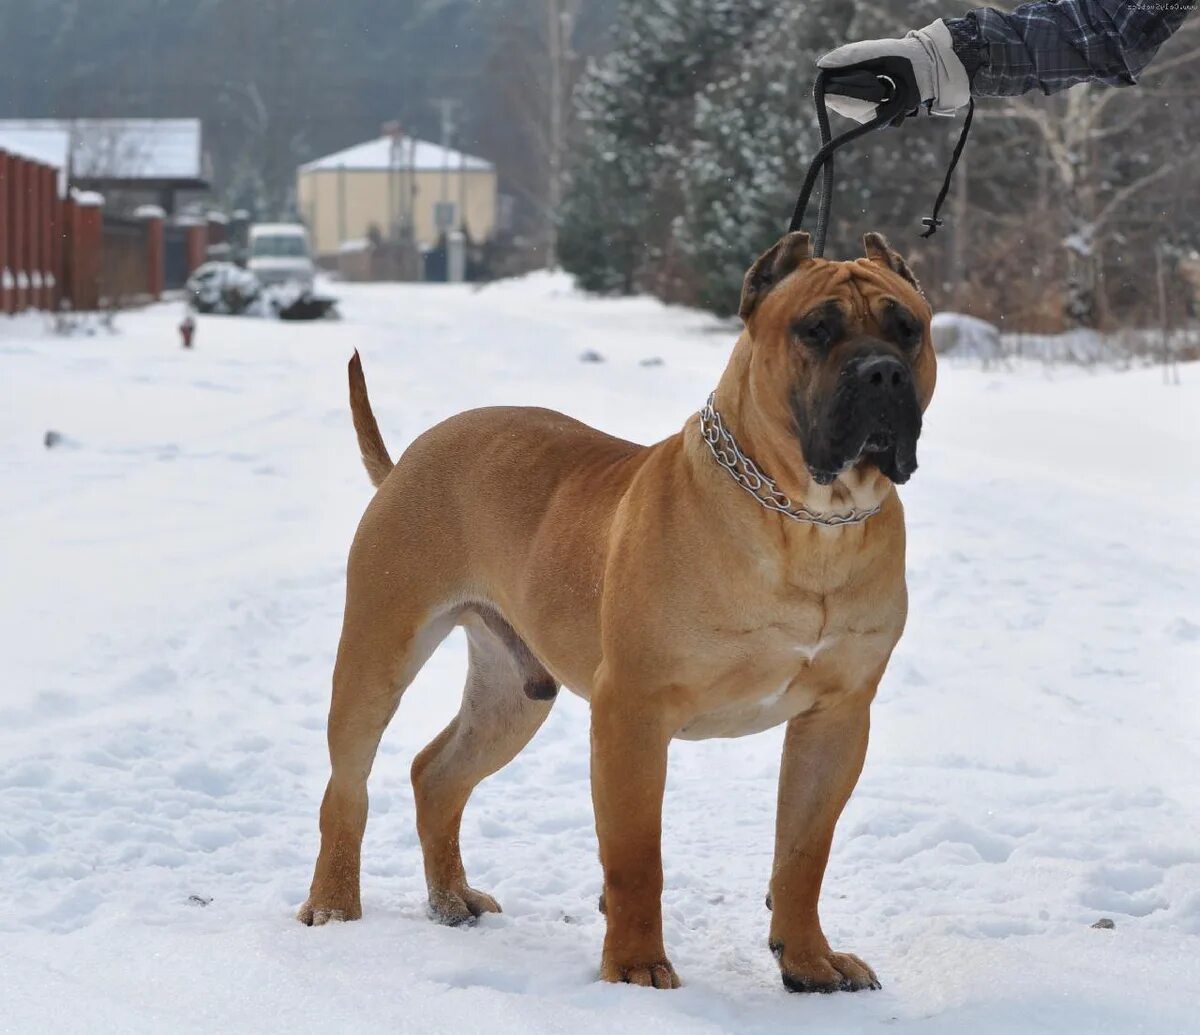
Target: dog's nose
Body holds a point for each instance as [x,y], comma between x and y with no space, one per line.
[882,374]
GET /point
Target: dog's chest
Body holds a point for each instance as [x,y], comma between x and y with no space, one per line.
[775,677]
[760,697]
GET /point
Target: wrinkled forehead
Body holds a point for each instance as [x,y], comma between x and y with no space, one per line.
[871,277]
[853,288]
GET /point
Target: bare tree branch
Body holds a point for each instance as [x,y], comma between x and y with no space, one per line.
[1125,193]
[1188,57]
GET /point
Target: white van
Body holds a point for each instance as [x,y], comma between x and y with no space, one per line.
[278,254]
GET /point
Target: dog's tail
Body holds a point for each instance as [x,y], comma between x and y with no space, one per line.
[375,456]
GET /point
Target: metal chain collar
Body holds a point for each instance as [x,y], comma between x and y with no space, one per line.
[745,472]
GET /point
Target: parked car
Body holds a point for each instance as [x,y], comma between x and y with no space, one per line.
[222,287]
[278,254]
[226,288]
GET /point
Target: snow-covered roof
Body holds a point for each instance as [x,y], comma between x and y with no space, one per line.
[111,149]
[405,153]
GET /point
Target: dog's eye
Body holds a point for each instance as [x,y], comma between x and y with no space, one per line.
[815,333]
[905,329]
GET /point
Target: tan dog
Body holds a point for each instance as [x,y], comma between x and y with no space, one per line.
[673,586]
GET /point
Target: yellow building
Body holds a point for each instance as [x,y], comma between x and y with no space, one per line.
[391,182]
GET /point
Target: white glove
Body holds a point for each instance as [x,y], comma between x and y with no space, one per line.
[939,76]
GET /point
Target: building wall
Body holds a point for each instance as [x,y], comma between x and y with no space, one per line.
[342,204]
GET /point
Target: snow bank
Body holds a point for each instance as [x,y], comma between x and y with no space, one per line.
[965,337]
[535,285]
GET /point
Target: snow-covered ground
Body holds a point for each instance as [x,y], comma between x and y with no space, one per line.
[172,587]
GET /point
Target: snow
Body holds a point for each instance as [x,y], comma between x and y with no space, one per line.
[47,146]
[276,229]
[173,575]
[87,198]
[224,287]
[385,153]
[50,145]
[966,337]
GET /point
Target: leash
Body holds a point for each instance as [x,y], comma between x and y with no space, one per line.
[894,105]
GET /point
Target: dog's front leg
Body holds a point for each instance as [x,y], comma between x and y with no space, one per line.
[629,772]
[823,755]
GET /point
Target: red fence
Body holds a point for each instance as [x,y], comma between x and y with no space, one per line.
[57,252]
[30,213]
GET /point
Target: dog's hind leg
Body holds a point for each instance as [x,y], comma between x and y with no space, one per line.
[376,662]
[508,696]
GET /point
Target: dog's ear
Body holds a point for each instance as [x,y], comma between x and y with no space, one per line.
[878,250]
[771,267]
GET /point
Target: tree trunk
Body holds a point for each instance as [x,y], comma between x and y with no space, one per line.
[1080,306]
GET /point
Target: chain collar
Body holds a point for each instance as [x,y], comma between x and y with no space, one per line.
[745,472]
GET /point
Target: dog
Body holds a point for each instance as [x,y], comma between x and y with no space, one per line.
[745,572]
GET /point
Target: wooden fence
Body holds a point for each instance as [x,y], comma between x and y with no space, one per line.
[68,252]
[30,211]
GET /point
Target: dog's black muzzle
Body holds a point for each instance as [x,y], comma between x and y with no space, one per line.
[873,412]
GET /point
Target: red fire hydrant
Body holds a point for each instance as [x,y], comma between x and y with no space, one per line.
[187,330]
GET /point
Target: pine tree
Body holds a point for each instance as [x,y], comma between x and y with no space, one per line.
[752,134]
[636,109]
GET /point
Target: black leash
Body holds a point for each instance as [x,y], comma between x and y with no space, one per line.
[932,222]
[894,103]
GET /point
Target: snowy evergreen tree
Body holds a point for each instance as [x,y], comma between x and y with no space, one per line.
[695,136]
[753,134]
[636,109]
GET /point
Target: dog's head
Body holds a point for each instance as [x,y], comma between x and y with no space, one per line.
[844,350]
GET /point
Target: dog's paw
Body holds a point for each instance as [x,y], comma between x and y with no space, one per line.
[823,971]
[461,907]
[313,914]
[650,974]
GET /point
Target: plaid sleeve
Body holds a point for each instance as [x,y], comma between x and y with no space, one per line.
[1052,44]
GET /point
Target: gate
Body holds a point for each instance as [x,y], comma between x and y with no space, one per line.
[175,258]
[124,271]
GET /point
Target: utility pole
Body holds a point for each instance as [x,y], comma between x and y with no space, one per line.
[396,219]
[462,189]
[447,106]
[560,21]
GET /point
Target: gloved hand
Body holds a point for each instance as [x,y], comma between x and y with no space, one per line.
[922,64]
